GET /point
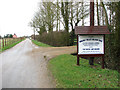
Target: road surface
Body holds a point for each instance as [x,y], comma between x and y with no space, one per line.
[22,67]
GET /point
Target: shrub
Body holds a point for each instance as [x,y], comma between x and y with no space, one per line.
[55,38]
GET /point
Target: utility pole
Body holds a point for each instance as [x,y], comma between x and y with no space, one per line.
[91,60]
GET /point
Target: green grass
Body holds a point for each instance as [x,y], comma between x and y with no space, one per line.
[75,42]
[68,75]
[40,43]
[9,46]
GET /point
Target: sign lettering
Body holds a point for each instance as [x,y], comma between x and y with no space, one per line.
[90,44]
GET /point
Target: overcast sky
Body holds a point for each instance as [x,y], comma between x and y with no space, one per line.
[15,16]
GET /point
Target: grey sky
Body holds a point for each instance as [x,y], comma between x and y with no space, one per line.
[15,16]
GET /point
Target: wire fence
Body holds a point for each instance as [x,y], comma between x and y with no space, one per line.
[8,41]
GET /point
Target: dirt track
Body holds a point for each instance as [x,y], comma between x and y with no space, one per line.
[50,52]
[25,65]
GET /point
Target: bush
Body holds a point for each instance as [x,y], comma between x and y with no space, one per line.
[55,38]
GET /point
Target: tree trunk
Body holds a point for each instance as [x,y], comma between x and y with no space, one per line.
[57,16]
[82,14]
[105,12]
[64,12]
[98,22]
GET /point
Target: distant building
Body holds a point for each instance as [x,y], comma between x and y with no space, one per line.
[14,36]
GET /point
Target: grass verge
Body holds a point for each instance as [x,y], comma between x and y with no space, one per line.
[11,45]
[68,75]
[40,43]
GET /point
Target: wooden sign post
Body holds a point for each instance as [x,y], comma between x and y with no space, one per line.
[91,41]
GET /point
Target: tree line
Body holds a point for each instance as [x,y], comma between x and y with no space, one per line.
[52,15]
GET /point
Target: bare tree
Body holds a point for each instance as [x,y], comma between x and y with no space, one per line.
[65,14]
[78,12]
[98,21]
[104,13]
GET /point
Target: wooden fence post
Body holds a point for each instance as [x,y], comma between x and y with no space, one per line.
[3,42]
[0,43]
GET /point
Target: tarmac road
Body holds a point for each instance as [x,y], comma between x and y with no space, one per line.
[23,68]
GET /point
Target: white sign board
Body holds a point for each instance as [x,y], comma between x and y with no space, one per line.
[90,44]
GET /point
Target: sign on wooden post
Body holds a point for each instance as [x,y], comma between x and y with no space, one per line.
[91,41]
[90,44]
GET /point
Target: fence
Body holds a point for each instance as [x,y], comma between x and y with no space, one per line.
[8,41]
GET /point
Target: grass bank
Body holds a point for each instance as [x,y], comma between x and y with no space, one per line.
[9,46]
[40,43]
[68,75]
